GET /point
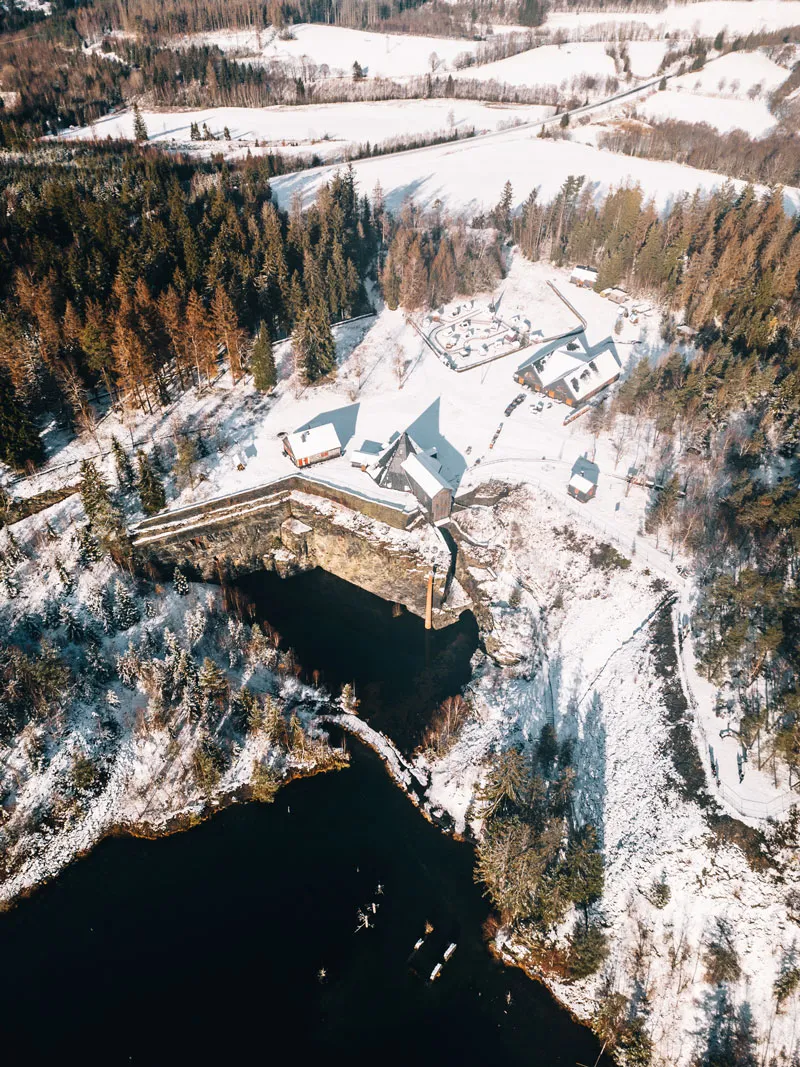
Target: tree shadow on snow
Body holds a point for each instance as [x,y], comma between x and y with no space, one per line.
[425,431]
[343,419]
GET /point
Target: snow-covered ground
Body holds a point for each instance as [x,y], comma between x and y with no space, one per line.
[379,54]
[730,93]
[470,176]
[322,129]
[739,75]
[752,116]
[590,664]
[548,65]
[706,18]
[145,750]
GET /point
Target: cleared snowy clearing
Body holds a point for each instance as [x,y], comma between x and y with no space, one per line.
[706,18]
[469,177]
[379,54]
[549,65]
[738,75]
[752,116]
[325,129]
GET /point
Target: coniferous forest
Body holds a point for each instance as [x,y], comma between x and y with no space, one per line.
[124,272]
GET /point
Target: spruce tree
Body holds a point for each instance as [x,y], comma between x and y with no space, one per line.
[88,546]
[125,612]
[97,601]
[139,128]
[212,680]
[181,582]
[262,362]
[149,486]
[95,496]
[313,343]
[123,464]
[66,578]
[20,443]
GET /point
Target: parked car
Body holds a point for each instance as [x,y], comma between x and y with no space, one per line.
[515,403]
[540,406]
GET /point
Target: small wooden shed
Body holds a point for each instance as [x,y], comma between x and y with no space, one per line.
[581,488]
[313,445]
[583,277]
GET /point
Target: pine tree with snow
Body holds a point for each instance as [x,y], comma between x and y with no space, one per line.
[258,646]
[97,602]
[13,551]
[122,462]
[129,666]
[97,668]
[149,486]
[88,546]
[124,610]
[149,609]
[66,578]
[112,699]
[194,624]
[95,497]
[139,127]
[347,700]
[74,629]
[212,681]
[103,515]
[262,362]
[273,723]
[181,582]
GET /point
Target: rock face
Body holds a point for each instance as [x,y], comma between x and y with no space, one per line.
[291,527]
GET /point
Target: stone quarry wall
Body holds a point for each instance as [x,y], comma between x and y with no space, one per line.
[288,529]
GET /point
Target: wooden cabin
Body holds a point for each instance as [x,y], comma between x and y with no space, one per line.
[581,488]
[583,277]
[314,445]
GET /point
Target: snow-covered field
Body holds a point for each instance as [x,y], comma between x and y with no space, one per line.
[324,129]
[379,54]
[693,19]
[739,75]
[470,176]
[730,93]
[752,116]
[548,65]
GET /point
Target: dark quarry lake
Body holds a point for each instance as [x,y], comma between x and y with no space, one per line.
[207,946]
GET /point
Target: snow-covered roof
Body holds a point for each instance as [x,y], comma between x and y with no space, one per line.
[558,363]
[313,441]
[424,472]
[592,374]
[584,274]
[581,484]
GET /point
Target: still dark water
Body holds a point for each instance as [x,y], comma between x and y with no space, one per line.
[402,672]
[206,947]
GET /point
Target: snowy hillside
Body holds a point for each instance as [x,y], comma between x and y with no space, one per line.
[469,178]
[336,48]
[595,660]
[326,130]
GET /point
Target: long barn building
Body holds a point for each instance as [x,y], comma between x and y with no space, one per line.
[571,376]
